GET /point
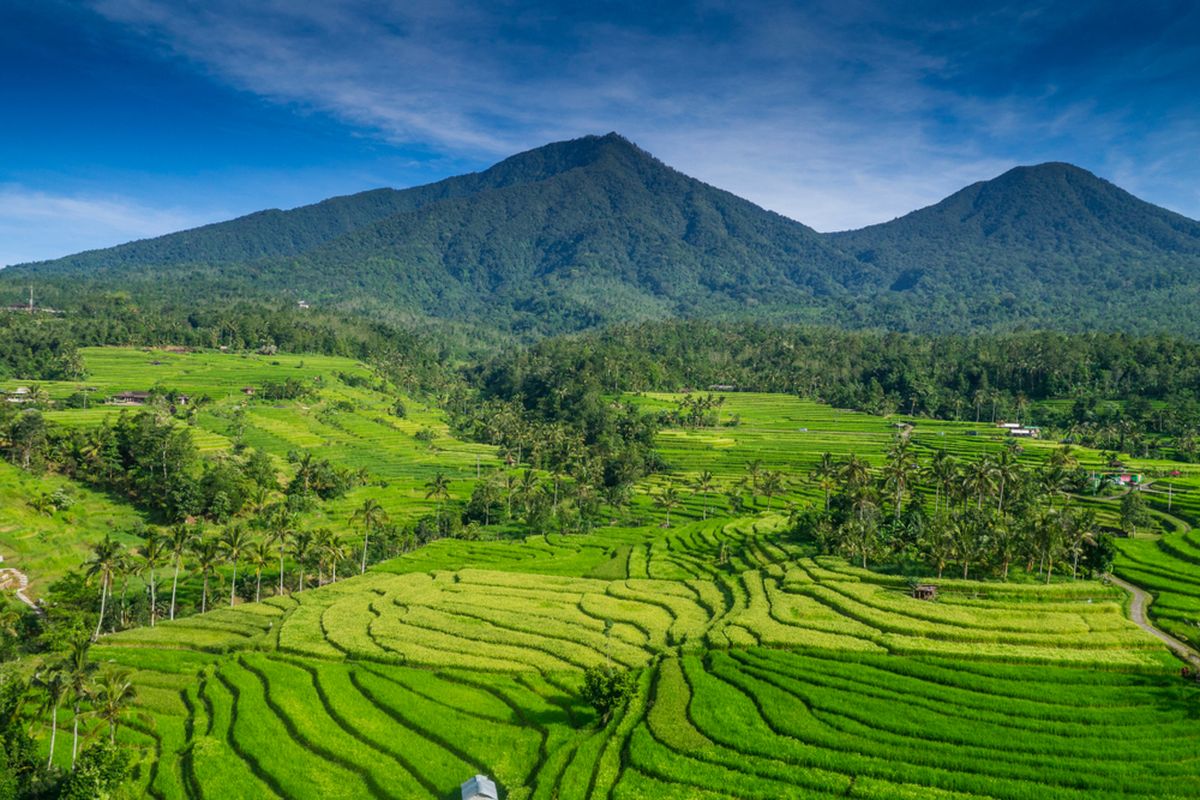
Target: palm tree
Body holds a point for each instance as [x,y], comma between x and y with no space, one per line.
[754,473]
[855,472]
[234,542]
[899,470]
[208,554]
[112,695]
[1007,471]
[259,556]
[181,540]
[372,515]
[154,555]
[980,478]
[106,555]
[78,669]
[825,475]
[55,682]
[771,483]
[279,533]
[302,546]
[329,552]
[667,499]
[438,488]
[704,483]
[942,471]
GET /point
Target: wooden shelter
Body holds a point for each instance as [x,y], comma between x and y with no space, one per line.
[925,591]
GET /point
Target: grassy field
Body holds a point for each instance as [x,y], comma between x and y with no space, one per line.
[351,426]
[763,668]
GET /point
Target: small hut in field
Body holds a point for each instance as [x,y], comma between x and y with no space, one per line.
[925,591]
[480,787]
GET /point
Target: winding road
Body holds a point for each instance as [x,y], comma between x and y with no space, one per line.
[1137,611]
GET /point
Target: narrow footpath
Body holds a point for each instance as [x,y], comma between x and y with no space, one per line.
[15,579]
[1137,611]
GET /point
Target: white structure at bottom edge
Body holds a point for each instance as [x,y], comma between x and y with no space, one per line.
[480,787]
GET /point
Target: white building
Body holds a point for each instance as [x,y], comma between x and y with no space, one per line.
[480,788]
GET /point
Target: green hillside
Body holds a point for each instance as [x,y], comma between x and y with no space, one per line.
[582,233]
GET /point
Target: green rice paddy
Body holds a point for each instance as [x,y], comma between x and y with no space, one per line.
[764,670]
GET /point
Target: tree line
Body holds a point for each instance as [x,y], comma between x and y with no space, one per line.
[982,516]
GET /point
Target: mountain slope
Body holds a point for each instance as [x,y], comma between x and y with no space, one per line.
[1038,243]
[566,236]
[594,230]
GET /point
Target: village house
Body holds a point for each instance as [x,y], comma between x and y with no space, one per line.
[129,399]
[20,395]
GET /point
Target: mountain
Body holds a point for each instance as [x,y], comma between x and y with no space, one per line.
[1051,244]
[595,230]
[563,237]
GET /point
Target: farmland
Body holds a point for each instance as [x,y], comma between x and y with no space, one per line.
[762,666]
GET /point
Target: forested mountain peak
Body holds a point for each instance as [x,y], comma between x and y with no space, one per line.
[595,230]
[1044,206]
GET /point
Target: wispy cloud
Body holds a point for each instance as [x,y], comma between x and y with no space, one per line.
[836,113]
[35,225]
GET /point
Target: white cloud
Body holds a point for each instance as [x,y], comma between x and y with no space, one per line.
[835,113]
[35,225]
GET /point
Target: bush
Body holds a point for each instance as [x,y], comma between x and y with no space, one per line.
[606,689]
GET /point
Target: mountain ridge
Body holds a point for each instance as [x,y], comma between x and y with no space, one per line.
[589,231]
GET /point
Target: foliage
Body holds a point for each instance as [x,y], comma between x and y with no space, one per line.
[606,688]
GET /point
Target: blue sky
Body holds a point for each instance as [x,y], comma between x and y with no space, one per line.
[129,118]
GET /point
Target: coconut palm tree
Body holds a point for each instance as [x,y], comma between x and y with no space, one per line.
[279,533]
[154,555]
[302,550]
[372,515]
[234,542]
[259,556]
[825,475]
[329,551]
[438,488]
[771,483]
[106,556]
[1007,471]
[900,469]
[942,472]
[704,483]
[55,681]
[208,553]
[754,471]
[180,541]
[667,499]
[78,669]
[112,695]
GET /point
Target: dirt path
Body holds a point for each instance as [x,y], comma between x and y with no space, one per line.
[11,578]
[1137,611]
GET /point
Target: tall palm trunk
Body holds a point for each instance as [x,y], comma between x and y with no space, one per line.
[53,732]
[103,599]
[281,569]
[204,595]
[233,585]
[175,584]
[152,599]
[366,533]
[75,736]
[258,586]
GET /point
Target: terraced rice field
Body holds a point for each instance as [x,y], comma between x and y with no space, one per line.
[1169,568]
[351,426]
[763,670]
[770,673]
